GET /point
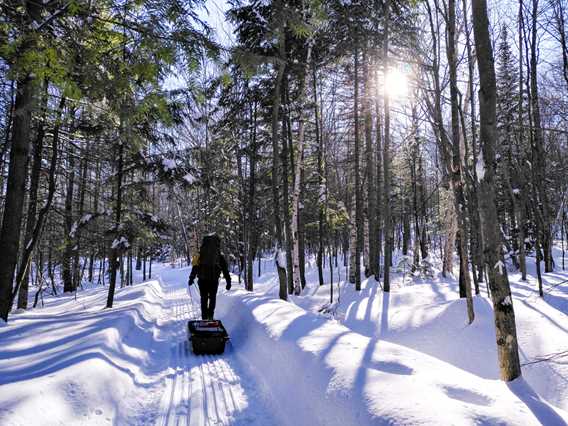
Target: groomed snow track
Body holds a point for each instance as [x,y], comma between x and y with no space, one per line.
[202,390]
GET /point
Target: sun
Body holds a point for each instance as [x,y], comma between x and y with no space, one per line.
[396,84]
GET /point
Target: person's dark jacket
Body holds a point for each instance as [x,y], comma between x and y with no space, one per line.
[210,273]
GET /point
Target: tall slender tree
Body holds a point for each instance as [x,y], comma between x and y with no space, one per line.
[505,326]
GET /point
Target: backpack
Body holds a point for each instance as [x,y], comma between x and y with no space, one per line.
[209,264]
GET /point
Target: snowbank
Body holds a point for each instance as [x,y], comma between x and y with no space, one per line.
[318,371]
[73,362]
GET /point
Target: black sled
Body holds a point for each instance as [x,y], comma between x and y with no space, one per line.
[207,336]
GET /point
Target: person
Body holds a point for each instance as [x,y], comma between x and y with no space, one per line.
[208,267]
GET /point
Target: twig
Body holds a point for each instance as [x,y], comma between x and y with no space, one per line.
[548,357]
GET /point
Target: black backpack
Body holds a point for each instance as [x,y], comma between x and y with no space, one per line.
[209,253]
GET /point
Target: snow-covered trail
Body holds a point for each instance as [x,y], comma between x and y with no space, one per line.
[202,390]
[79,364]
[405,359]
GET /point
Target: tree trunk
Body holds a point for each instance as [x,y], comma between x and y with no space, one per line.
[297,173]
[370,171]
[251,207]
[506,332]
[321,181]
[539,155]
[67,270]
[522,210]
[560,20]
[276,176]
[379,188]
[286,195]
[114,250]
[42,216]
[358,196]
[386,156]
[302,229]
[33,196]
[77,276]
[15,191]
[7,132]
[456,166]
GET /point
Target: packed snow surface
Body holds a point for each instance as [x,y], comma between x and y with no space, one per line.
[369,358]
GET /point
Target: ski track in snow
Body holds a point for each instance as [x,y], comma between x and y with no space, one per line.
[202,390]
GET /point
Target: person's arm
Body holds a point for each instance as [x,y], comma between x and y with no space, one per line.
[225,270]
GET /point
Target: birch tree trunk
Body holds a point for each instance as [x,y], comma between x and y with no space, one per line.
[297,173]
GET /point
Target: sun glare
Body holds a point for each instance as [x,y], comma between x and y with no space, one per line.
[396,84]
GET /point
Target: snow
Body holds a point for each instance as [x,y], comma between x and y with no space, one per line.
[82,221]
[281,259]
[118,243]
[189,178]
[480,168]
[499,266]
[404,357]
[73,229]
[168,164]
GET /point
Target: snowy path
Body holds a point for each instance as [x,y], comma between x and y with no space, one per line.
[203,390]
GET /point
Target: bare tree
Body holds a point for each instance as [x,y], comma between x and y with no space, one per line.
[505,327]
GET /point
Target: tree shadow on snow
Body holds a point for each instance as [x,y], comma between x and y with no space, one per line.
[541,410]
[97,336]
[534,308]
[367,325]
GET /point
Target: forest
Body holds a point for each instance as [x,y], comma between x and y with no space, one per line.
[348,142]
